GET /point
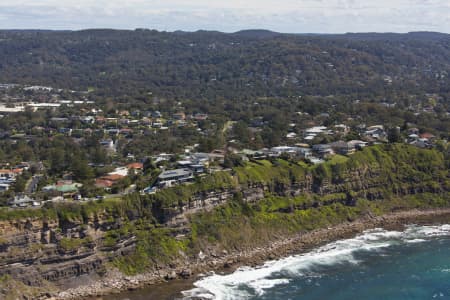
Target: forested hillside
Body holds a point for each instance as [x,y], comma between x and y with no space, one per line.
[212,65]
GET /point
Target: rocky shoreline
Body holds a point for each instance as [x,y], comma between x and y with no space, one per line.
[116,282]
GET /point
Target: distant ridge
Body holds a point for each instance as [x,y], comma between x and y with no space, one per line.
[257,33]
[423,35]
[33,30]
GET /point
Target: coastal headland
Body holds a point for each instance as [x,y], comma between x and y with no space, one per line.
[258,211]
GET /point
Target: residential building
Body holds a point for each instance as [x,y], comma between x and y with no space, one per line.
[23,201]
[323,150]
[179,116]
[171,177]
[344,148]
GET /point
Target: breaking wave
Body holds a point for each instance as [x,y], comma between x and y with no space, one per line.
[246,282]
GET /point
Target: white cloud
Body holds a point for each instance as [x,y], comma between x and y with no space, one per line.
[230,15]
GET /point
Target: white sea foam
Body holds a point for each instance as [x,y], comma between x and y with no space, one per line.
[412,241]
[247,282]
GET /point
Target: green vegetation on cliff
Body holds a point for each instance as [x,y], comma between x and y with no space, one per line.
[292,197]
[404,177]
[395,166]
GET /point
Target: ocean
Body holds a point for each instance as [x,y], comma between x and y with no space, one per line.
[378,264]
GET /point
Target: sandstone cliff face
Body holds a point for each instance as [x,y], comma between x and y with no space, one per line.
[361,183]
[37,250]
[31,249]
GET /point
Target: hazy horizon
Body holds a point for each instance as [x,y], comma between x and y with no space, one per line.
[286,16]
[219,31]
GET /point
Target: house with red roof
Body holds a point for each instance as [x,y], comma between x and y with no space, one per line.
[10,173]
[427,135]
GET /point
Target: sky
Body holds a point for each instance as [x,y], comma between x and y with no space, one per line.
[290,16]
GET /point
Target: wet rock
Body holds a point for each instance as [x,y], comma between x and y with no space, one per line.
[201,255]
[228,264]
[171,276]
[186,273]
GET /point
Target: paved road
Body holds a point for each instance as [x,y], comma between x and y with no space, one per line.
[32,186]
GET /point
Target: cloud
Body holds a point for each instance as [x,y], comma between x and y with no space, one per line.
[325,16]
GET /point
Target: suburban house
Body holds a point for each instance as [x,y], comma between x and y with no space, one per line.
[103,183]
[4,186]
[413,130]
[291,135]
[136,167]
[108,145]
[323,150]
[181,123]
[8,177]
[344,148]
[179,116]
[341,128]
[358,144]
[112,131]
[291,151]
[100,119]
[200,117]
[196,167]
[23,201]
[10,173]
[108,181]
[156,114]
[126,131]
[375,132]
[162,157]
[413,137]
[426,135]
[200,158]
[421,143]
[87,119]
[171,177]
[124,121]
[311,133]
[247,153]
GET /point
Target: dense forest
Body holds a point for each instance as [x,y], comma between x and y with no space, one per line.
[214,65]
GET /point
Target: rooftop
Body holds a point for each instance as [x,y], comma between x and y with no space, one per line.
[174,173]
